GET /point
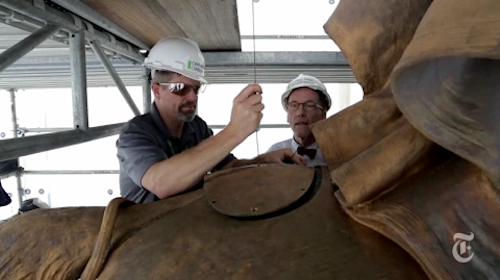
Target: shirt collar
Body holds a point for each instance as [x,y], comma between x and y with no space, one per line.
[295,145]
[187,129]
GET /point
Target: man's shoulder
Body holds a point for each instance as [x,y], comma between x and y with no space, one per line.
[140,127]
[281,145]
[142,122]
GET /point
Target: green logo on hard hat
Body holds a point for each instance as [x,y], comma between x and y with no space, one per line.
[195,66]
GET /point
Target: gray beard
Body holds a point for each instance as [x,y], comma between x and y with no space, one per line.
[186,117]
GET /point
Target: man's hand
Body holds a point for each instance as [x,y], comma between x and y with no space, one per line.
[282,156]
[279,156]
[246,112]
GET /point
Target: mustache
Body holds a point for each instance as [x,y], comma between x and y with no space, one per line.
[300,121]
[188,103]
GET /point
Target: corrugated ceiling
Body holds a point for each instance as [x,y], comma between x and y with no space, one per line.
[48,66]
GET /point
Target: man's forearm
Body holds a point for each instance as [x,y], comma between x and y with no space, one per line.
[243,162]
[285,155]
[184,170]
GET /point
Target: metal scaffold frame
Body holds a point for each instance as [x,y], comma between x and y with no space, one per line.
[78,32]
[77,28]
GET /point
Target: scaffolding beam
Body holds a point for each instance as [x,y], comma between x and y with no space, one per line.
[79,80]
[221,68]
[15,125]
[146,90]
[17,51]
[70,172]
[15,148]
[96,46]
[246,59]
[212,126]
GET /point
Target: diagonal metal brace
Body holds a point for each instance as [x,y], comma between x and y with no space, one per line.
[17,51]
[96,46]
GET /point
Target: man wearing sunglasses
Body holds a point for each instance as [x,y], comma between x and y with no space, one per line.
[306,101]
[169,150]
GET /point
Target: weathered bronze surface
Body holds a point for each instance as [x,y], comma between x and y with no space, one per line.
[184,238]
[255,191]
[410,166]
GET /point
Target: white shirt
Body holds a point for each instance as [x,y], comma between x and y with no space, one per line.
[292,144]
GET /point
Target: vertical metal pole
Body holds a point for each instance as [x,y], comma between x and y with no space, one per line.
[96,46]
[20,190]
[79,80]
[146,90]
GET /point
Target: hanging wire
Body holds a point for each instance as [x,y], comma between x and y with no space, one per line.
[254,69]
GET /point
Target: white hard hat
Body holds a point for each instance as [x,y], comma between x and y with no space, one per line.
[177,54]
[306,81]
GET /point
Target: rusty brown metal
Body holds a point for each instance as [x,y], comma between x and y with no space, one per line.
[358,127]
[426,212]
[447,83]
[412,169]
[314,241]
[373,36]
[253,191]
[413,191]
[184,238]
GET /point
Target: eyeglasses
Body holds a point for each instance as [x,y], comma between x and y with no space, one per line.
[308,106]
[183,89]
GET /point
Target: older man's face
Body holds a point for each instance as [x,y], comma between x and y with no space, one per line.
[307,112]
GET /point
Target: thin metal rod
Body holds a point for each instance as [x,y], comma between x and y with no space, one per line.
[96,46]
[67,23]
[81,9]
[43,129]
[146,90]
[213,126]
[69,172]
[17,51]
[262,126]
[255,71]
[20,190]
[13,109]
[79,80]
[15,148]
[285,37]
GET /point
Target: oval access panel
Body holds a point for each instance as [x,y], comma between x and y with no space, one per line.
[257,190]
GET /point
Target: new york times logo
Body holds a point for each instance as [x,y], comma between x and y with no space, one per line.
[462,246]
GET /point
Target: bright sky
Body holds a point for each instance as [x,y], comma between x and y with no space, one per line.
[52,108]
[285,17]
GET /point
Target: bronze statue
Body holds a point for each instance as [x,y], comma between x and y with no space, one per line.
[410,192]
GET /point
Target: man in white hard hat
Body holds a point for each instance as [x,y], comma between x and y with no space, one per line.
[169,150]
[306,101]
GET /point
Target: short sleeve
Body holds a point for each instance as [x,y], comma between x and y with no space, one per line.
[276,147]
[137,152]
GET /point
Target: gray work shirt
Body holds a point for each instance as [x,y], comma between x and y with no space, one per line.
[145,140]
